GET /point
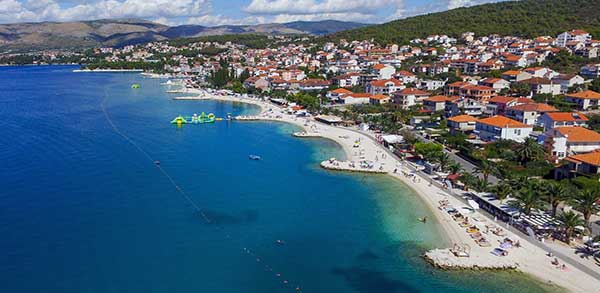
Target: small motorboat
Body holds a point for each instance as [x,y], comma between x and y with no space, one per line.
[254,157]
[157,163]
[279,242]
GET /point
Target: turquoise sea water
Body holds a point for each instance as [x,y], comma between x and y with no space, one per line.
[81,210]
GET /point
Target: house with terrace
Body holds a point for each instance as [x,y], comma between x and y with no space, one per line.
[585,100]
[529,113]
[551,120]
[384,86]
[583,164]
[565,141]
[462,123]
[409,97]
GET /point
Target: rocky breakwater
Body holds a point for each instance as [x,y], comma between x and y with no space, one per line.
[448,259]
[350,166]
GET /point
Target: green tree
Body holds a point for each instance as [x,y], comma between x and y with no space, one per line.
[585,202]
[444,160]
[454,168]
[556,192]
[486,169]
[529,151]
[502,190]
[570,220]
[595,85]
[429,150]
[529,197]
[408,136]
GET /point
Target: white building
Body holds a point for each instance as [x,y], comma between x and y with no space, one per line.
[574,35]
[566,141]
[499,127]
[409,97]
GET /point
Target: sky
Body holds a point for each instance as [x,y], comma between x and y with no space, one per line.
[220,12]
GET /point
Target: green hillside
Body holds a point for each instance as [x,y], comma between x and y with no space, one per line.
[528,18]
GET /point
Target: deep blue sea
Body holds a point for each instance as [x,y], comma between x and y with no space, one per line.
[83,210]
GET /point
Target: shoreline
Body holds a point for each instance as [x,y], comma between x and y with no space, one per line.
[109,70]
[528,259]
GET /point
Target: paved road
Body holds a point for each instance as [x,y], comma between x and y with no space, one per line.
[570,259]
[466,165]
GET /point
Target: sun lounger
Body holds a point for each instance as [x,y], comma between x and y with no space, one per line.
[499,252]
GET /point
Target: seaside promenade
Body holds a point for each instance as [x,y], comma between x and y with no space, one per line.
[359,146]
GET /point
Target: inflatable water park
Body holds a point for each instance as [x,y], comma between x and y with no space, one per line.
[196,119]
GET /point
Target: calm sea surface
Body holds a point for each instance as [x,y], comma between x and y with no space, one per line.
[82,210]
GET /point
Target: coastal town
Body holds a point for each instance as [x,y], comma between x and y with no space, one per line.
[499,134]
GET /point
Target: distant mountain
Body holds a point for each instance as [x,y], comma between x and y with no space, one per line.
[117,33]
[528,18]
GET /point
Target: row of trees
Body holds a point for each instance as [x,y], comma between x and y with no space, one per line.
[526,193]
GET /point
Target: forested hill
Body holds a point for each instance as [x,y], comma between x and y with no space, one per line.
[528,18]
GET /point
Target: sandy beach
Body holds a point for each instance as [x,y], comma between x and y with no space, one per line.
[361,146]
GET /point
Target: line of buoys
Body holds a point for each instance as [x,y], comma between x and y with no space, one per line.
[157,164]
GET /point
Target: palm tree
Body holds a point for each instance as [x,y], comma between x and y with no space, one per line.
[468,179]
[529,150]
[570,220]
[485,169]
[454,168]
[503,190]
[529,197]
[555,193]
[444,160]
[481,185]
[585,201]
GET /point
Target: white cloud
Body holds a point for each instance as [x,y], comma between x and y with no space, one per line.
[42,10]
[299,7]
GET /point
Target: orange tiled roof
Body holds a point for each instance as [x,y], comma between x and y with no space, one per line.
[592,158]
[537,107]
[502,122]
[578,134]
[566,116]
[379,97]
[462,118]
[382,82]
[589,94]
[413,91]
[438,99]
[511,72]
[501,99]
[378,66]
[342,91]
[360,95]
